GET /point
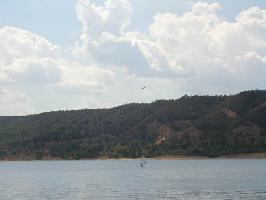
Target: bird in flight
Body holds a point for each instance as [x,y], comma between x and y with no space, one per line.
[143,88]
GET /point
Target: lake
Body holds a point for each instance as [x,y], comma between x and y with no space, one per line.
[125,179]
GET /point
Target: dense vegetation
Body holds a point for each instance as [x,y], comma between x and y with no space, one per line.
[191,125]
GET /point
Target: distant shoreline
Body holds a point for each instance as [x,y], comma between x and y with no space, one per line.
[261,155]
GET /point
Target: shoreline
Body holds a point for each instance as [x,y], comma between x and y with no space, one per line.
[261,155]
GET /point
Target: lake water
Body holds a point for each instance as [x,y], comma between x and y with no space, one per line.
[117,179]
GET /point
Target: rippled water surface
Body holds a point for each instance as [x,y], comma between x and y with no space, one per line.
[117,179]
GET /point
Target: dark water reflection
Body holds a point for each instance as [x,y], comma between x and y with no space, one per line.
[116,179]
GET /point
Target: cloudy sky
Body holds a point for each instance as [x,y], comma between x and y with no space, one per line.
[76,54]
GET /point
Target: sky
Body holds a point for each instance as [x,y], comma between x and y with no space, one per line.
[76,54]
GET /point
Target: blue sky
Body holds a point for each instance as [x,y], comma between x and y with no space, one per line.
[57,21]
[50,58]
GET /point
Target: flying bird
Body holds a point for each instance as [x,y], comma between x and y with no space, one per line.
[143,88]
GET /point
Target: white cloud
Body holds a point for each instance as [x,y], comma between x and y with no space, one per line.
[200,47]
[113,17]
[105,39]
[90,77]
[28,58]
[203,8]
[201,40]
[14,103]
[94,103]
[25,56]
[34,68]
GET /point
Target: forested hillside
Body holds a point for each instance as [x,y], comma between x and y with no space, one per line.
[191,125]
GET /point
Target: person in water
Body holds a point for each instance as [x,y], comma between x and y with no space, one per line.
[143,163]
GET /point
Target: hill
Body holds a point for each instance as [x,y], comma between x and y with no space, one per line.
[190,125]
